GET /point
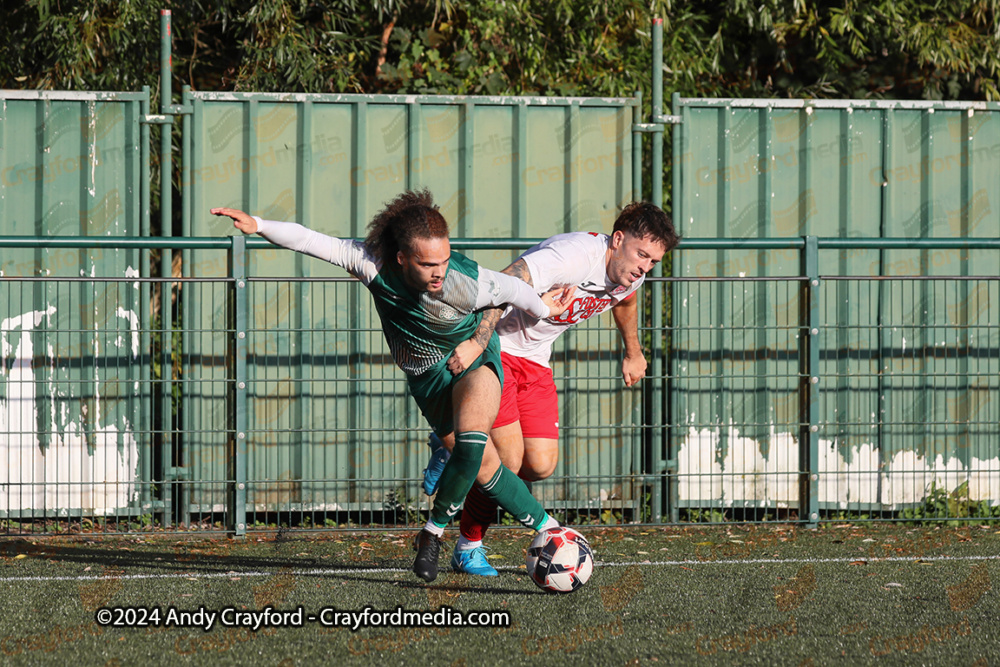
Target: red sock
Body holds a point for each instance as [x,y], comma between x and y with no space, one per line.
[477,515]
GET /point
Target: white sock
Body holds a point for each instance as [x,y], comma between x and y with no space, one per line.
[434,529]
[548,523]
[465,544]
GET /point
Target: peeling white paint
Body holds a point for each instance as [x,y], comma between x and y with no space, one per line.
[67,474]
[132,273]
[133,325]
[745,478]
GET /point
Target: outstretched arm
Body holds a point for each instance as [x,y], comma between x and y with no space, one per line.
[346,254]
[626,314]
[469,350]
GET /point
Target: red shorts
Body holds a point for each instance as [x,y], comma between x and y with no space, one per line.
[529,396]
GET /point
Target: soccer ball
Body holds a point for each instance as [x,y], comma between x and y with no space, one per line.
[560,560]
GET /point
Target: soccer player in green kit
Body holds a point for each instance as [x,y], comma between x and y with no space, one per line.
[429,300]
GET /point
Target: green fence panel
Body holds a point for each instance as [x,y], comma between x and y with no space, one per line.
[935,431]
[889,426]
[74,431]
[322,387]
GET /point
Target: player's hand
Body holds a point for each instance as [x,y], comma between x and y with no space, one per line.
[463,356]
[558,300]
[633,369]
[242,221]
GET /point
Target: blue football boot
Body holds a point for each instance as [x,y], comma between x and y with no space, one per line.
[439,457]
[472,561]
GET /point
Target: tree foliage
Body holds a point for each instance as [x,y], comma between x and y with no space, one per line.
[904,49]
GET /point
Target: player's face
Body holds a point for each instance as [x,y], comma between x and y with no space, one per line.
[631,257]
[426,265]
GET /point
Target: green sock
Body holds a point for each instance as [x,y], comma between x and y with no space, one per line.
[458,476]
[509,492]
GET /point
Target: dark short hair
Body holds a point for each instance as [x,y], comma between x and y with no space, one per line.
[412,215]
[642,219]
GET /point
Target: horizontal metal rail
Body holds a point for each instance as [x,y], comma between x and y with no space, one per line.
[794,243]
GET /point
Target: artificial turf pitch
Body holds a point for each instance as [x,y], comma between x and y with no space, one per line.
[771,595]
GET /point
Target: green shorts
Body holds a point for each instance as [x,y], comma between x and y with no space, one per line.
[432,388]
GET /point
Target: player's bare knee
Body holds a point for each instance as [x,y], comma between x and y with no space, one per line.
[537,471]
[540,458]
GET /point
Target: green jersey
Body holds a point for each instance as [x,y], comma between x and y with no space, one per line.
[421,329]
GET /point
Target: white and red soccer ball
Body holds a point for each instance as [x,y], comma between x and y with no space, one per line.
[560,560]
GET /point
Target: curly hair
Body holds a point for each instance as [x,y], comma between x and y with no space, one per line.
[642,219]
[412,215]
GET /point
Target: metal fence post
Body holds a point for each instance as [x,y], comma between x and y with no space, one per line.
[659,366]
[640,468]
[146,314]
[636,150]
[166,273]
[184,468]
[676,203]
[809,395]
[236,455]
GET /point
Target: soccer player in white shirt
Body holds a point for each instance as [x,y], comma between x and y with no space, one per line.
[606,271]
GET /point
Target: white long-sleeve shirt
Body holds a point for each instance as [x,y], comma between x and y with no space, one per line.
[422,329]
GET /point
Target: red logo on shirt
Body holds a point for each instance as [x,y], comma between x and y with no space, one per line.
[582,309]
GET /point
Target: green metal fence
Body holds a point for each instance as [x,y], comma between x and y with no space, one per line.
[810,416]
[785,407]
[893,339]
[71,429]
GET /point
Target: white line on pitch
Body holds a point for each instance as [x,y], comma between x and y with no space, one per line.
[378,570]
[779,561]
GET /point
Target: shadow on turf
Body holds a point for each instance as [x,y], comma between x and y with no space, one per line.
[178,561]
[158,561]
